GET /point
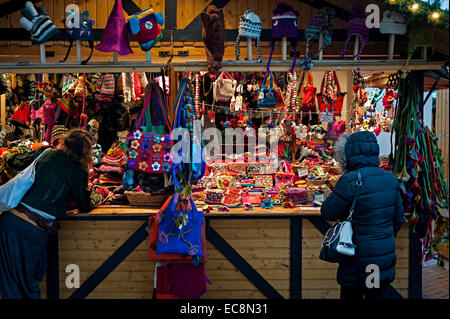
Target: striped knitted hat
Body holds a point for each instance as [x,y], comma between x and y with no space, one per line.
[420,34]
[321,23]
[392,23]
[38,23]
[108,86]
[68,106]
[58,133]
[250,26]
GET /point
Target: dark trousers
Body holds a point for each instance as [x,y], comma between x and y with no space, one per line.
[23,258]
[352,293]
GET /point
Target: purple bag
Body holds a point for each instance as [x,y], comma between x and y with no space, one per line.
[187,280]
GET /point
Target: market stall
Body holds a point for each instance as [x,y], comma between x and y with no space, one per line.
[262,229]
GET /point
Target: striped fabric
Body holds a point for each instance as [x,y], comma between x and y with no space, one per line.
[108,86]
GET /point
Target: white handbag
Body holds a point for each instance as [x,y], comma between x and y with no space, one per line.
[12,192]
[224,87]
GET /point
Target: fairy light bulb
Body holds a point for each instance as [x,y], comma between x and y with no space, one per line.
[435,15]
[414,7]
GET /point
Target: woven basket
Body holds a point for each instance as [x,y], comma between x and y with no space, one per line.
[335,170]
[312,194]
[316,181]
[145,199]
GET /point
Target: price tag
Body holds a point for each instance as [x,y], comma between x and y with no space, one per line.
[302,172]
[326,118]
[319,198]
[320,171]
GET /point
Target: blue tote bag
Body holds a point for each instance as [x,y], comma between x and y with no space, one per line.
[180,228]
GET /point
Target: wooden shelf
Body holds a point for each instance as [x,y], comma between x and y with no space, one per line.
[229,66]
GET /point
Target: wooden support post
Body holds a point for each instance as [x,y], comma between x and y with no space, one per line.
[173,89]
[115,57]
[3,110]
[320,46]
[284,48]
[148,56]
[249,49]
[42,49]
[424,53]
[78,44]
[356,48]
[391,46]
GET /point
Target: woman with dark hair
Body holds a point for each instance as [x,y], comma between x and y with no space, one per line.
[61,176]
[376,220]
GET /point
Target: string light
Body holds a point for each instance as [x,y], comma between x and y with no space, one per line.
[435,15]
[414,7]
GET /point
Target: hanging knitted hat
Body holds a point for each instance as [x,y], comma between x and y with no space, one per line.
[115,36]
[250,26]
[58,133]
[145,28]
[356,26]
[420,34]
[21,116]
[321,23]
[392,23]
[284,24]
[3,85]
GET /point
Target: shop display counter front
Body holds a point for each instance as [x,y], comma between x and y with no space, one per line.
[251,254]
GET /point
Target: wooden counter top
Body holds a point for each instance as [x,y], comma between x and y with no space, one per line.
[138,211]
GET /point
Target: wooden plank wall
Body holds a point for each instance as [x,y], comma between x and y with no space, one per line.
[187,10]
[263,243]
[442,130]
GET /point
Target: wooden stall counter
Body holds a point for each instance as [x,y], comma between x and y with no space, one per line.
[262,253]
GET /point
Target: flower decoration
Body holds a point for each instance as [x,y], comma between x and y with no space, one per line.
[156,166]
[137,135]
[135,144]
[133,154]
[147,137]
[163,238]
[144,156]
[143,166]
[157,138]
[157,148]
[166,167]
[156,157]
[146,146]
[131,163]
[166,157]
[193,250]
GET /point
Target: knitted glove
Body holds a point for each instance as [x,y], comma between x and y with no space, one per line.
[38,23]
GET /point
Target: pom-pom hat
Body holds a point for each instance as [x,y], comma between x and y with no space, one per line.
[250,26]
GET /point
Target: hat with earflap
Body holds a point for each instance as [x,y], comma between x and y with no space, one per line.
[79,28]
[356,26]
[250,27]
[321,23]
[58,133]
[419,34]
[21,116]
[284,25]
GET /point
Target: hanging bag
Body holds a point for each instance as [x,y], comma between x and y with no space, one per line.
[284,176]
[330,91]
[338,239]
[180,226]
[309,94]
[224,87]
[150,149]
[270,96]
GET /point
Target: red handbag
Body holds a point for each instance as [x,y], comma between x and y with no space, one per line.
[284,176]
[330,92]
[150,152]
[309,94]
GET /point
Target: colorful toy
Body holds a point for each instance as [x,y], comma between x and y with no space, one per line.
[145,28]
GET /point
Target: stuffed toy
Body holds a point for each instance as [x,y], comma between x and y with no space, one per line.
[145,28]
[38,23]
[82,32]
[214,37]
[115,36]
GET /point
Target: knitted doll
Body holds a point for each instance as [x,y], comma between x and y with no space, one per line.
[214,37]
[92,128]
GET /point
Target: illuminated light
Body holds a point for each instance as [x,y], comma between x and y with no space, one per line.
[435,15]
[415,6]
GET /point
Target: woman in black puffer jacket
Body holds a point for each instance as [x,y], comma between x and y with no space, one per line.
[376,220]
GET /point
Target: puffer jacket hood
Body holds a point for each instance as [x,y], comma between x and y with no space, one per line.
[357,150]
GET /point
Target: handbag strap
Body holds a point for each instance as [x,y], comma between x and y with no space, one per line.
[358,187]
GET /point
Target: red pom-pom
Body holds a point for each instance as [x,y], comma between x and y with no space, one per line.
[83,120]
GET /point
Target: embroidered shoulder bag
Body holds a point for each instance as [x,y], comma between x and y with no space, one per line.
[330,91]
[149,147]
